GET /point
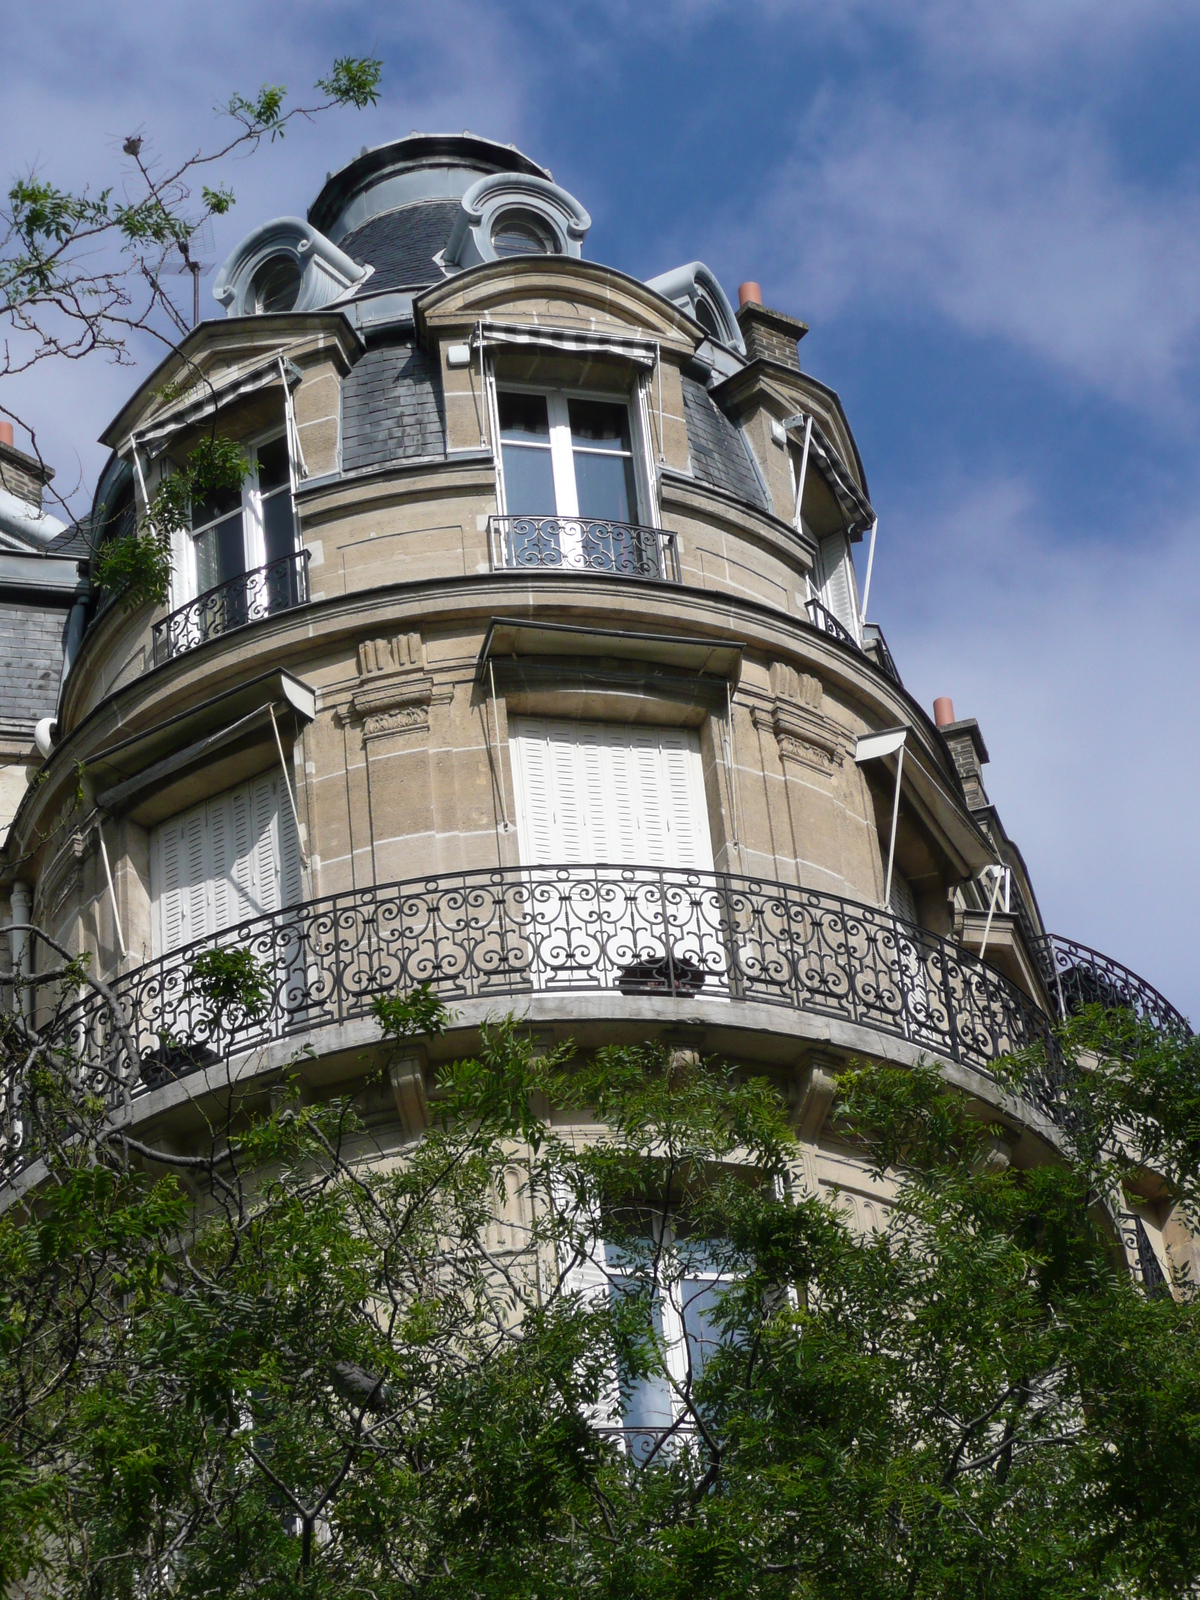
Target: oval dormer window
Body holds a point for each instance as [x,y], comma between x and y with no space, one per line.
[276,284]
[520,233]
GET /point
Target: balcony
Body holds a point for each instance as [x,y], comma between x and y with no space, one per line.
[508,934]
[249,597]
[1077,976]
[874,645]
[583,544]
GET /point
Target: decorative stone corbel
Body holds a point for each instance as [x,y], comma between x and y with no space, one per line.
[814,1095]
[394,691]
[407,1078]
[803,732]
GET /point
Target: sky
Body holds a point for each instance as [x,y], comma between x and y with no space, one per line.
[989,215]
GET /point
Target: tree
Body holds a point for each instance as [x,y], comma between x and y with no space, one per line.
[81,273]
[295,1362]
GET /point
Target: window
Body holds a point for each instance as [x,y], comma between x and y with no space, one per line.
[276,284]
[240,531]
[223,862]
[598,792]
[521,233]
[567,456]
[835,582]
[682,1293]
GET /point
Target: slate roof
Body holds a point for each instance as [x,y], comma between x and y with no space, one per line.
[391,408]
[401,245]
[720,455]
[31,650]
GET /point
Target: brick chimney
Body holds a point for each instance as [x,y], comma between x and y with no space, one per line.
[22,475]
[967,750]
[769,335]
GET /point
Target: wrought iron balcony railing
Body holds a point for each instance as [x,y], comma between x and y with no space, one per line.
[1077,976]
[875,645]
[823,618]
[506,934]
[584,544]
[249,597]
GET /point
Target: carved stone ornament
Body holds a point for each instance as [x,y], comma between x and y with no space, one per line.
[802,730]
[394,691]
[62,878]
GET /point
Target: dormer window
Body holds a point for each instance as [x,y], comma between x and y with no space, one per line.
[276,284]
[521,233]
[707,318]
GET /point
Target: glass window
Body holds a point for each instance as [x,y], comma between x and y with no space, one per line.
[276,284]
[568,458]
[240,531]
[520,233]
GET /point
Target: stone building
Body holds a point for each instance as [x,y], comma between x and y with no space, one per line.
[530,661]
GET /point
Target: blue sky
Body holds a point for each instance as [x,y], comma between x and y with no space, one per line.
[989,213]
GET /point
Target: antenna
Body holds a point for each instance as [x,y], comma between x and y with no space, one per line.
[199,243]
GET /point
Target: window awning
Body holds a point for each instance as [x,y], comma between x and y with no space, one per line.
[151,765]
[939,808]
[509,637]
[855,506]
[219,395]
[567,341]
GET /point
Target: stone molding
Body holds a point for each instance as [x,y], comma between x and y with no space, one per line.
[802,731]
[62,878]
[395,692]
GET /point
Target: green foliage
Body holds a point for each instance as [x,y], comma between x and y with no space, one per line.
[136,567]
[354,81]
[235,987]
[321,1374]
[411,1015]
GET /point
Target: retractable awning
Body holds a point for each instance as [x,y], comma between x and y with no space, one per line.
[217,395]
[568,341]
[149,767]
[509,637]
[855,506]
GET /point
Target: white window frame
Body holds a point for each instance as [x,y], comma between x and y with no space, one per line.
[636,405]
[185,579]
[602,1271]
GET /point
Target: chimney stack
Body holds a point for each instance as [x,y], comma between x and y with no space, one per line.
[769,335]
[967,750]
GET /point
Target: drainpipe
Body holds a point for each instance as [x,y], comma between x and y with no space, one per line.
[75,625]
[22,906]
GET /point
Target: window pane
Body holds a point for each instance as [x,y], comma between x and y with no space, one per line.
[524,417]
[220,553]
[273,465]
[700,1298]
[279,526]
[646,1402]
[599,424]
[528,480]
[218,504]
[604,485]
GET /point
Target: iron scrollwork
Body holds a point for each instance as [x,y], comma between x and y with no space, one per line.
[249,597]
[585,544]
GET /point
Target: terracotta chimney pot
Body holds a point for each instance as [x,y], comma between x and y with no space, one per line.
[749,294]
[943,711]
[6,433]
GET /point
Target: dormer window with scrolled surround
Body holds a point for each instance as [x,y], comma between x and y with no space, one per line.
[523,233]
[509,214]
[284,266]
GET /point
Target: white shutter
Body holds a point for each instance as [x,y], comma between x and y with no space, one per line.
[903,902]
[837,595]
[619,796]
[231,858]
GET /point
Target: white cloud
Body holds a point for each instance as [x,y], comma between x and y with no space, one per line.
[1007,227]
[1080,667]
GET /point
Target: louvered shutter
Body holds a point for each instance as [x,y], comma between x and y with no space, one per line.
[221,863]
[595,792]
[903,903]
[836,592]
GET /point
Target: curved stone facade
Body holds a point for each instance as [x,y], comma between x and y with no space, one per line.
[392,678]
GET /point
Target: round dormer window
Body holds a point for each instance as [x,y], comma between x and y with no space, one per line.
[707,318]
[276,284]
[521,233]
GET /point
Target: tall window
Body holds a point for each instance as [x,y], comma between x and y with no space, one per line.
[568,469]
[236,531]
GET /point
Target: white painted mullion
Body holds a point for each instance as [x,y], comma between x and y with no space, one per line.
[566,495]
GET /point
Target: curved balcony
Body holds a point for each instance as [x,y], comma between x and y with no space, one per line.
[1078,976]
[249,597]
[584,544]
[511,933]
